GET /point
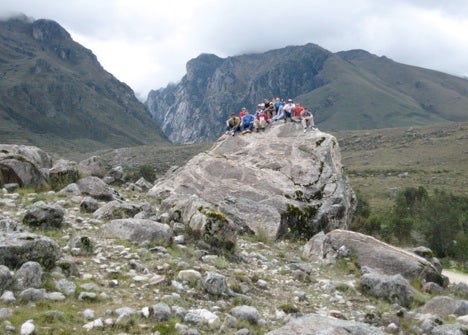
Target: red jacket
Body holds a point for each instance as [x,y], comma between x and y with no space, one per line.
[262,115]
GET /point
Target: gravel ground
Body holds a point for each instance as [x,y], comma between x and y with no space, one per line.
[456,277]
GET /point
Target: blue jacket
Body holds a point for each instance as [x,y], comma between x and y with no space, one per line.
[248,119]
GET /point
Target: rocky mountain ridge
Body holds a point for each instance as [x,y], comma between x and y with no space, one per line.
[55,94]
[345,90]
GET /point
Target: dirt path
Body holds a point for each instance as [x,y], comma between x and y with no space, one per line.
[456,277]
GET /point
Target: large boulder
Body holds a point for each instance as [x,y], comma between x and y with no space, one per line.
[273,183]
[394,289]
[444,306]
[32,154]
[63,173]
[313,324]
[93,166]
[24,165]
[96,188]
[19,248]
[139,231]
[44,216]
[373,255]
[116,209]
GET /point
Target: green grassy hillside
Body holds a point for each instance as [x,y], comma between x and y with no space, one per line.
[378,93]
[381,162]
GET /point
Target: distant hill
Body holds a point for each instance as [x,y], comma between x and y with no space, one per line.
[56,95]
[350,90]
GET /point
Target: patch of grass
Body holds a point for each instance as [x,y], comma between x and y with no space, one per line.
[289,308]
[167,327]
[221,263]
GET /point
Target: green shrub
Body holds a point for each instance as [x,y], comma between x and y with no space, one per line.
[441,218]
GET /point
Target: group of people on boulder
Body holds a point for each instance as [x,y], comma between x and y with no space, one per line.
[267,113]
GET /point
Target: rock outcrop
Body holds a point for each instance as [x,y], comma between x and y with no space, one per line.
[19,248]
[24,165]
[373,255]
[275,183]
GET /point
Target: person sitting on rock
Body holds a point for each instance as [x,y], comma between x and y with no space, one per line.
[296,113]
[242,112]
[233,124]
[277,104]
[270,110]
[307,120]
[279,114]
[261,120]
[288,110]
[247,122]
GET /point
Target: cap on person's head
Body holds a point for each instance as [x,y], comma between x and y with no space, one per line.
[290,100]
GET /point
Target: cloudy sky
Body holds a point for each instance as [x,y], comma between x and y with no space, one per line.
[147,43]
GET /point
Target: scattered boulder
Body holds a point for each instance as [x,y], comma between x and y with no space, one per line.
[444,306]
[32,295]
[44,216]
[68,288]
[93,166]
[8,225]
[83,243]
[139,231]
[6,279]
[28,275]
[316,324]
[373,254]
[24,165]
[247,313]
[289,184]
[215,283]
[116,209]
[70,190]
[143,184]
[22,173]
[64,172]
[32,154]
[89,205]
[19,248]
[96,188]
[395,289]
[161,312]
[68,267]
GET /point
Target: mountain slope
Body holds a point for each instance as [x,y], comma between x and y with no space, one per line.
[55,94]
[346,90]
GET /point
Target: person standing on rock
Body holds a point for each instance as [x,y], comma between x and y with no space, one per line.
[232,124]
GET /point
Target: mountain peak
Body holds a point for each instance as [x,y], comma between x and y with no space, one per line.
[348,90]
[47,30]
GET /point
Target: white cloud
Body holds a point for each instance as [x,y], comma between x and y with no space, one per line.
[148,43]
